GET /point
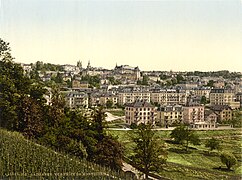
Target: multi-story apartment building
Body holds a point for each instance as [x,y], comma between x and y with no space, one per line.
[169,97]
[202,91]
[193,113]
[140,112]
[76,99]
[224,112]
[132,96]
[108,97]
[223,97]
[239,98]
[169,115]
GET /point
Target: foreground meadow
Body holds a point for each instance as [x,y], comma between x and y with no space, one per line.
[198,162]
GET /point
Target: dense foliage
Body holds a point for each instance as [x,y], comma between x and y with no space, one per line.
[149,151]
[213,144]
[183,135]
[228,159]
[23,109]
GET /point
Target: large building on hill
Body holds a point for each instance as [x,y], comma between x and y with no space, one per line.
[140,112]
[133,72]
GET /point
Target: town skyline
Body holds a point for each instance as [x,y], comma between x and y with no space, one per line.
[158,35]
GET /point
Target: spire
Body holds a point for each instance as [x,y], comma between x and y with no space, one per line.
[89,64]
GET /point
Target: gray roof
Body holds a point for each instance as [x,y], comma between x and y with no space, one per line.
[140,104]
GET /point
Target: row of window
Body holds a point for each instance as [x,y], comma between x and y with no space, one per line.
[140,109]
[144,114]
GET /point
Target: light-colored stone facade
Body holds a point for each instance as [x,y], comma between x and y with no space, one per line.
[76,100]
[169,97]
[192,114]
[130,97]
[223,97]
[169,115]
[140,112]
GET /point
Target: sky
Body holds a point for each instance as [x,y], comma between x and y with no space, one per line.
[178,35]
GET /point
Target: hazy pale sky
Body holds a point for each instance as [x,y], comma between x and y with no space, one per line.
[154,35]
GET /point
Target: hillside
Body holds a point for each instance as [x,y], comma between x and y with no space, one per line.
[23,159]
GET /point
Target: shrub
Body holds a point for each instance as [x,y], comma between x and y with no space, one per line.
[228,159]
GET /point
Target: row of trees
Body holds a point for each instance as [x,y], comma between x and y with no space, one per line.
[23,109]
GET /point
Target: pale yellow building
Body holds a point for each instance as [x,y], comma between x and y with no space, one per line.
[168,97]
[140,112]
[132,96]
[169,115]
[223,97]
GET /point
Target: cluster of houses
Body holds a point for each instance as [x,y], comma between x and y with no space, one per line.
[161,105]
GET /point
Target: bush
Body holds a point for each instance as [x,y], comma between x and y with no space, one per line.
[228,159]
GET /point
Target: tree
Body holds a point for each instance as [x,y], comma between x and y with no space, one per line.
[30,115]
[56,110]
[109,103]
[149,153]
[210,83]
[13,84]
[180,78]
[109,153]
[228,159]
[133,126]
[183,135]
[203,100]
[145,80]
[213,144]
[174,81]
[237,119]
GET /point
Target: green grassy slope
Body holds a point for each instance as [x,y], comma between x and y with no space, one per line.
[23,159]
[198,163]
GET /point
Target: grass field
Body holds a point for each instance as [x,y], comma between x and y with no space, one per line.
[118,112]
[197,163]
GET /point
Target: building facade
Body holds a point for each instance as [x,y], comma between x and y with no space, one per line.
[140,112]
[76,99]
[169,97]
[223,97]
[193,114]
[169,115]
[132,96]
